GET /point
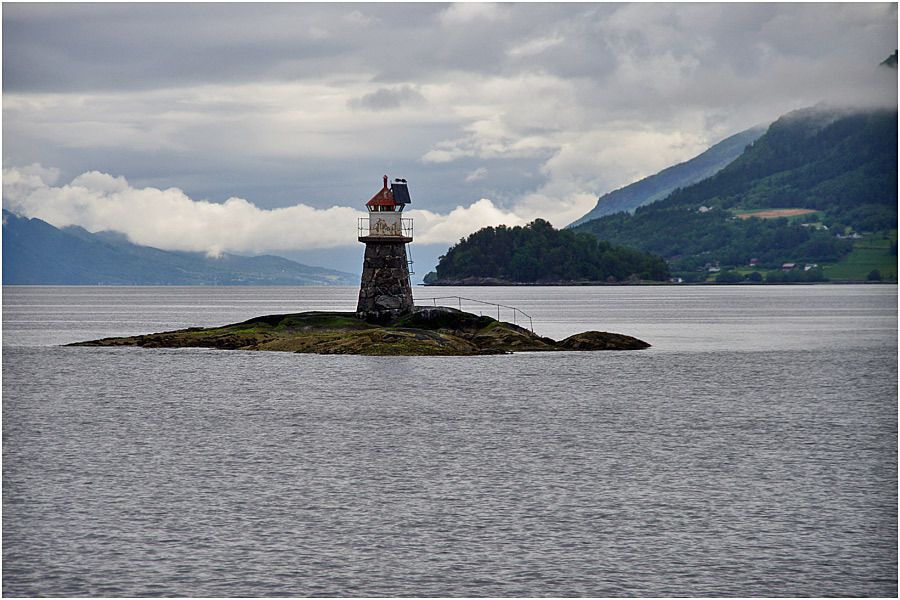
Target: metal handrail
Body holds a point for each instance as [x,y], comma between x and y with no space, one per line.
[459,300]
[406,228]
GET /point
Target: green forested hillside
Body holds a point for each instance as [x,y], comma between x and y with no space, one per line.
[843,165]
[540,253]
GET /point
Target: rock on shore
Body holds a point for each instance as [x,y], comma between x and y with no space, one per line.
[428,331]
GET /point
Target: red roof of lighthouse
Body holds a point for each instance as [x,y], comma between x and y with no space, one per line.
[384,197]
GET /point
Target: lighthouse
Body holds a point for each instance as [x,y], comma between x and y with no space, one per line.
[385,291]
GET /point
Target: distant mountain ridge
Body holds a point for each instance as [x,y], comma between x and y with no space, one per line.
[37,253]
[658,186]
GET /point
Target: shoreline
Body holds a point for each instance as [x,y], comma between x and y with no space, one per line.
[645,283]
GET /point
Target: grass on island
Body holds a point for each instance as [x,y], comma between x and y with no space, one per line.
[426,332]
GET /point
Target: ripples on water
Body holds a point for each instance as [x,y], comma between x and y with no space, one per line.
[692,469]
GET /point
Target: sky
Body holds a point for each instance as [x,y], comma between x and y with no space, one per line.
[264,128]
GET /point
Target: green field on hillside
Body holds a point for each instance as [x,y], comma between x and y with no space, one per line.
[791,214]
[868,254]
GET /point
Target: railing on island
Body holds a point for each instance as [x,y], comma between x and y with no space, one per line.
[460,299]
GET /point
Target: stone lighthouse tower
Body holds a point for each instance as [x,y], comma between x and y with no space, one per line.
[385,291]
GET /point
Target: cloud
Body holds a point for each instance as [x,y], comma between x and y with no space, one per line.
[170,220]
[536,46]
[460,13]
[461,221]
[561,101]
[356,17]
[29,177]
[389,99]
[477,174]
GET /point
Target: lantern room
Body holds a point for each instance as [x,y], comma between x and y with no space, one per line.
[384,212]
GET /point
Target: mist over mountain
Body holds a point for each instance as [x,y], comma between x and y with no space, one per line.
[658,186]
[36,253]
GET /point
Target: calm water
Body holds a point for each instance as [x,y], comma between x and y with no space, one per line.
[752,451]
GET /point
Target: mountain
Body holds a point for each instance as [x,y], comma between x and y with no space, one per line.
[37,253]
[836,170]
[538,253]
[656,187]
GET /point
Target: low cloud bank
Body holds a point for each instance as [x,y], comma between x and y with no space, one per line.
[171,220]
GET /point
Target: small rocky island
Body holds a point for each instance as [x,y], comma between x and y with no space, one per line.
[426,331]
[386,321]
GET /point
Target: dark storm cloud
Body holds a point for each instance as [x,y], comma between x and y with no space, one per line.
[74,47]
[118,47]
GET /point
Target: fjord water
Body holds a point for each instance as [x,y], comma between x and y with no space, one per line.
[752,451]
